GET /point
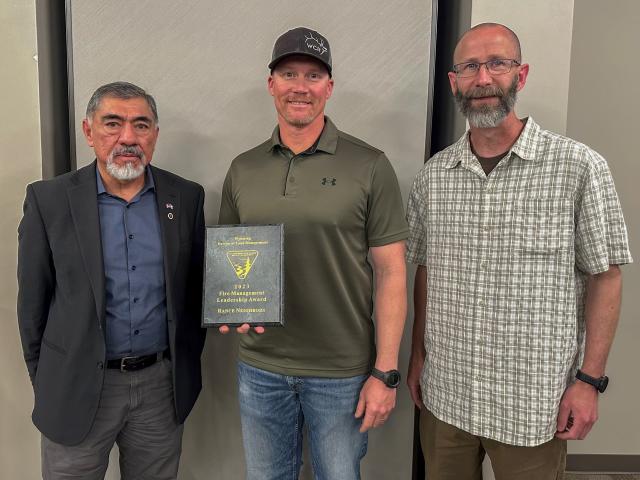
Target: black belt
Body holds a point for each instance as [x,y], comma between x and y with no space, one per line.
[131,364]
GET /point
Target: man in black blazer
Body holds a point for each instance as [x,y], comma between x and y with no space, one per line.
[109,305]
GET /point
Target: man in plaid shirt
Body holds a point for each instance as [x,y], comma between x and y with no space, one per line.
[518,236]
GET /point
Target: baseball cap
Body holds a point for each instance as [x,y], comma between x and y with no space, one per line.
[302,41]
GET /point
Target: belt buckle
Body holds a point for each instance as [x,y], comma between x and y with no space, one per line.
[122,363]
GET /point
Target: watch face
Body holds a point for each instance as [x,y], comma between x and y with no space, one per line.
[604,381]
[393,379]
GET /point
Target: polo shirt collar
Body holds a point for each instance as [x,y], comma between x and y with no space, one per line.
[327,142]
[148,182]
[526,147]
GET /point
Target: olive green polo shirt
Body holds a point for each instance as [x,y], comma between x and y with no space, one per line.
[336,200]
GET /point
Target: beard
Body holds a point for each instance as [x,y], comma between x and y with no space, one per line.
[487,116]
[131,169]
[298,121]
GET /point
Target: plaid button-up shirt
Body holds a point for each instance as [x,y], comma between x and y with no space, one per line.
[507,258]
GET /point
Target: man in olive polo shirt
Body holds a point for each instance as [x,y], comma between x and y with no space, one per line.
[339,201]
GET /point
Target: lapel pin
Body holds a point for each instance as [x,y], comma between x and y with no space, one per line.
[170,216]
[169,206]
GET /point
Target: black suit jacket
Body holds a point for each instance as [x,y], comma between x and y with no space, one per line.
[61,296]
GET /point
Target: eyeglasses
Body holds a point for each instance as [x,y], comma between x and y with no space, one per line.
[497,66]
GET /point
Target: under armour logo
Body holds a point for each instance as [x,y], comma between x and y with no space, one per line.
[329,181]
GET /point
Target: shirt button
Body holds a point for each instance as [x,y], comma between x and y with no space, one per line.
[486,228]
[130,236]
[292,179]
[133,267]
[484,265]
[100,365]
[135,300]
[481,303]
[136,332]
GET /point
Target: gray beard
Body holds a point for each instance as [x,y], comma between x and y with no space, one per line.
[128,171]
[487,116]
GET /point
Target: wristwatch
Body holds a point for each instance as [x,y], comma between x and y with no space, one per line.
[391,378]
[600,384]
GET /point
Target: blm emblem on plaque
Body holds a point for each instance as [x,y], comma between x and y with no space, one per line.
[243,281]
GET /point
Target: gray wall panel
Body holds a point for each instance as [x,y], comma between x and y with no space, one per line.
[205,62]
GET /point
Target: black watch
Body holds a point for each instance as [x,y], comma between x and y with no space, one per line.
[391,378]
[600,384]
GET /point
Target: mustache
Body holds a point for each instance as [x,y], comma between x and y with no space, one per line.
[127,150]
[480,92]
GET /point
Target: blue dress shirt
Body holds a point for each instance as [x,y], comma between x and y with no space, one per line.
[136,311]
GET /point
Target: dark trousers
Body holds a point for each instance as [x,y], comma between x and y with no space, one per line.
[136,412]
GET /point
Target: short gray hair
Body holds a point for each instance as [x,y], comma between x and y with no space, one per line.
[122,90]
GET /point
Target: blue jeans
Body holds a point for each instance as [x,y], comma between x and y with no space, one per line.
[273,410]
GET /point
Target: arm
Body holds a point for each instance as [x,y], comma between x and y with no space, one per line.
[36,281]
[416,361]
[376,399]
[579,405]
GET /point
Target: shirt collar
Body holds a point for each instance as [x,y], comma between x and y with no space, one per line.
[326,142]
[526,146]
[148,182]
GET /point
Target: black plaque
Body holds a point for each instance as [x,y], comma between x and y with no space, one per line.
[243,280]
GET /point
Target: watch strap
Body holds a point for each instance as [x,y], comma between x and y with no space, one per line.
[600,384]
[391,378]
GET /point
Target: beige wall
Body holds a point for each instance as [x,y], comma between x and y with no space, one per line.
[602,112]
[20,160]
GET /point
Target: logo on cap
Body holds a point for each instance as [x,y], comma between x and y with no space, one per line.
[315,44]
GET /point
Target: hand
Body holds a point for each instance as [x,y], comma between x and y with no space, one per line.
[578,411]
[416,361]
[244,328]
[375,403]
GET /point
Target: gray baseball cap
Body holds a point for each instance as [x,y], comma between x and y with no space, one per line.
[302,41]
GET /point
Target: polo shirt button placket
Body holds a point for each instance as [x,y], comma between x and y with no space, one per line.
[290,183]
